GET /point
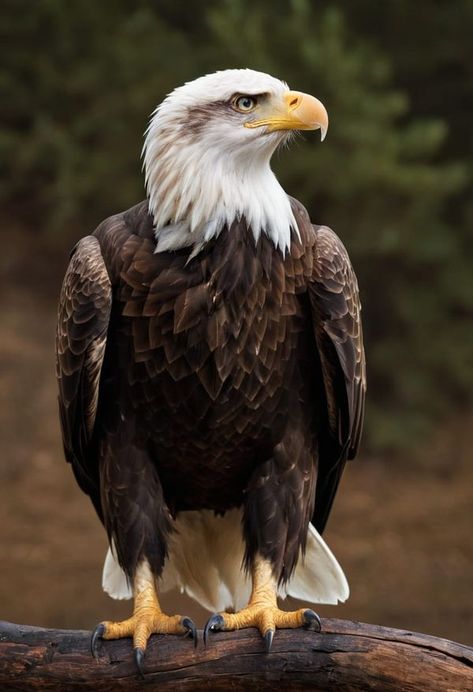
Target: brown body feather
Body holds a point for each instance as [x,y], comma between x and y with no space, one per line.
[234,378]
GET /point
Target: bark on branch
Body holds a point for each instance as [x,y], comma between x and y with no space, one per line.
[345,656]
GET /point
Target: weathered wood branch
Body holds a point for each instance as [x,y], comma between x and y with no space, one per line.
[345,656]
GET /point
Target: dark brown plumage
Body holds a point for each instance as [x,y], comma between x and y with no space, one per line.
[235,378]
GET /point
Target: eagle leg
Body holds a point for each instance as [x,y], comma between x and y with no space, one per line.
[262,610]
[147,619]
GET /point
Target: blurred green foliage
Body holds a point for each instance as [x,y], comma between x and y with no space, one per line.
[80,79]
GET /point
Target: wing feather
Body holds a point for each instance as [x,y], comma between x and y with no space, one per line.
[81,337]
[336,308]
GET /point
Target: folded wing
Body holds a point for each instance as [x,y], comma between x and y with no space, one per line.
[335,306]
[81,337]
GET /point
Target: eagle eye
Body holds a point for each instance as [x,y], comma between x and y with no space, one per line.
[244,103]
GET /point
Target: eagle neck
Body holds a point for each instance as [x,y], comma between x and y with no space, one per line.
[194,192]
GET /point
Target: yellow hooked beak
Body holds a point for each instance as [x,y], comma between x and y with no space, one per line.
[297,111]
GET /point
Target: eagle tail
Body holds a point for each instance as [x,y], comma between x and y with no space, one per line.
[318,577]
[205,561]
[114,580]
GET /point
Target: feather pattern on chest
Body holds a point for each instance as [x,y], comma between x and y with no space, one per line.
[214,347]
[232,304]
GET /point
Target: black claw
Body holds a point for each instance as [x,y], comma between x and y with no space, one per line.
[139,661]
[191,630]
[312,621]
[214,623]
[97,634]
[268,640]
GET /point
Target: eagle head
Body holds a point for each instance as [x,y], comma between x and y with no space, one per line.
[207,157]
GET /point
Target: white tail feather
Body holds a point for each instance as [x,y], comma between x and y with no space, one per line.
[205,561]
[318,578]
[114,579]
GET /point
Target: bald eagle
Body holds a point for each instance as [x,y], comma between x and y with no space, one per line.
[211,370]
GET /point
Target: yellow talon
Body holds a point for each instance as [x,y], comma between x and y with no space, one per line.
[147,618]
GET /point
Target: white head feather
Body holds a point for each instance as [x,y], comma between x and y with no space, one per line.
[204,169]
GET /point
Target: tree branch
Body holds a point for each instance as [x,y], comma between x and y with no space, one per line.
[345,656]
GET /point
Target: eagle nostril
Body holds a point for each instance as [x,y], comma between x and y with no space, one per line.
[293,103]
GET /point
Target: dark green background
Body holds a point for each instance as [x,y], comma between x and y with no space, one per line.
[393,178]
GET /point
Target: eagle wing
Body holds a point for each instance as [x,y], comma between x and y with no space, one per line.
[335,304]
[81,337]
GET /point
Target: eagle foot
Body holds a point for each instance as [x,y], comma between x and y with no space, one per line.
[262,610]
[147,619]
[266,618]
[140,626]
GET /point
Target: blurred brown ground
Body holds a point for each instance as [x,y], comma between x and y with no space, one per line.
[402,531]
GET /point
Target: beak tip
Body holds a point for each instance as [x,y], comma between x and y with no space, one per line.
[323,132]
